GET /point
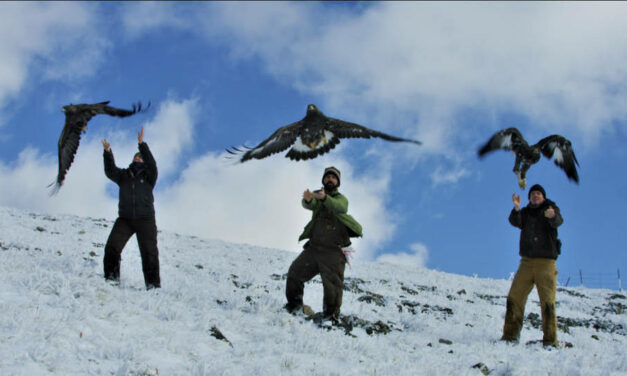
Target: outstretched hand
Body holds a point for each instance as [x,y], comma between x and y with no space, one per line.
[550,212]
[105,145]
[140,135]
[516,200]
[320,195]
[307,195]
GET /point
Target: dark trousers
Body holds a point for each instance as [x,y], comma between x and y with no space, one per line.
[146,231]
[330,264]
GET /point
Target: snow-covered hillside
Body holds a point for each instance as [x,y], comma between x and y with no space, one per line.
[59,317]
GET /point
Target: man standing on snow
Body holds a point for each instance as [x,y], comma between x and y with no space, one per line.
[136,213]
[328,232]
[539,248]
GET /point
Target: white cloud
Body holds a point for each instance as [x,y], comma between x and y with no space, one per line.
[560,64]
[412,69]
[84,191]
[418,256]
[171,132]
[26,184]
[443,175]
[47,40]
[257,202]
[139,18]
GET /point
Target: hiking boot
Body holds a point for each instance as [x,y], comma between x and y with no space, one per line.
[510,341]
[305,309]
[550,343]
[113,281]
[545,344]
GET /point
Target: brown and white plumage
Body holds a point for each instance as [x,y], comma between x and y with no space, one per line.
[311,136]
[555,146]
[76,118]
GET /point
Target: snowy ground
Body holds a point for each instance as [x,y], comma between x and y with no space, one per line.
[60,317]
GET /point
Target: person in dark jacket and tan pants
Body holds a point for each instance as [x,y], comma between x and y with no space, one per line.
[539,248]
[136,213]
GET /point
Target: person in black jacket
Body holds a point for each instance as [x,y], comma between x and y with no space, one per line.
[539,248]
[136,213]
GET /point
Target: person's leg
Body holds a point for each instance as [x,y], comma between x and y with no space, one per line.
[546,281]
[516,300]
[120,233]
[332,267]
[147,241]
[303,268]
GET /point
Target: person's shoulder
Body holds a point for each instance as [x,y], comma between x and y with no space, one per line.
[337,194]
[548,202]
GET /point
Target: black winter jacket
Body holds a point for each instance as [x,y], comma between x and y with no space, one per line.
[135,200]
[538,238]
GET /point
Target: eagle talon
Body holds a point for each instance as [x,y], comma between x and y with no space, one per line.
[522,183]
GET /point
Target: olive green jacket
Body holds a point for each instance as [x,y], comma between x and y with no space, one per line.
[336,203]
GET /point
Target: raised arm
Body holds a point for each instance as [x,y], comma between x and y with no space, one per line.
[515,217]
[149,160]
[111,170]
[309,201]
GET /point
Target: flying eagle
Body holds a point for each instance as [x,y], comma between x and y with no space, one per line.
[557,147]
[76,118]
[311,136]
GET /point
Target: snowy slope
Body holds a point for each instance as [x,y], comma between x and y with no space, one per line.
[59,316]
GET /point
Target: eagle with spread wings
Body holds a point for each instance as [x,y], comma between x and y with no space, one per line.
[313,135]
[76,118]
[557,147]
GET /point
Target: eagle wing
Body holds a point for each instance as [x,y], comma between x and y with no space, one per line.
[112,111]
[560,149]
[280,140]
[334,129]
[506,139]
[67,147]
[75,124]
[345,129]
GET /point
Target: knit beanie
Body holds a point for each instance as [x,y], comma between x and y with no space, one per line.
[334,171]
[536,187]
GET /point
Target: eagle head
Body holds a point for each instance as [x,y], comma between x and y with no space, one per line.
[68,108]
[312,109]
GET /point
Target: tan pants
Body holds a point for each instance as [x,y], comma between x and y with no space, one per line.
[542,273]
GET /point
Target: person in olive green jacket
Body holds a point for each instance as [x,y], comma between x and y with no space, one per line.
[329,230]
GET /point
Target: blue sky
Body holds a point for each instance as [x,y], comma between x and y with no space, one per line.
[223,74]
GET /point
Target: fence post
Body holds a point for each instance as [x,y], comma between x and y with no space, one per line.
[580,277]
